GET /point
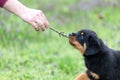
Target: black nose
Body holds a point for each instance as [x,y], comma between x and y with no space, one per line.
[72,34]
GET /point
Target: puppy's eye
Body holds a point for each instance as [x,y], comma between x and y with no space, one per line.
[81,38]
[82,35]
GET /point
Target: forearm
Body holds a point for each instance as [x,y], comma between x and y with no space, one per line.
[15,7]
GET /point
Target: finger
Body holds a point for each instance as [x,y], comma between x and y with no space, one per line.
[41,24]
[44,19]
[34,25]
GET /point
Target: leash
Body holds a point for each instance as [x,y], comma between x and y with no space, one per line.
[60,33]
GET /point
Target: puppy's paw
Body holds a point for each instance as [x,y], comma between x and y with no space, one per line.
[82,76]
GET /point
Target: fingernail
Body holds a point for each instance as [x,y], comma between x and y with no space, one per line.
[43,30]
[36,29]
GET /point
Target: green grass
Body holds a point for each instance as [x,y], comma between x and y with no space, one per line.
[29,55]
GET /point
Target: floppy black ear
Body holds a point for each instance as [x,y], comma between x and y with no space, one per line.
[94,41]
[94,44]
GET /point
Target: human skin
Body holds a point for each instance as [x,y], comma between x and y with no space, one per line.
[34,17]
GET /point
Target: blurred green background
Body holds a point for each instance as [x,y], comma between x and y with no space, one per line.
[29,55]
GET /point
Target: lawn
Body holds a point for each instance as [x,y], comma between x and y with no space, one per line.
[29,55]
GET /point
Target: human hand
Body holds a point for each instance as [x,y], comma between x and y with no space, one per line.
[36,18]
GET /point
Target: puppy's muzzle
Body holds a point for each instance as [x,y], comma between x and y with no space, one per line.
[76,44]
[72,34]
[72,38]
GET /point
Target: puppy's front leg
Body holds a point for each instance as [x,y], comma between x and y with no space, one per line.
[82,76]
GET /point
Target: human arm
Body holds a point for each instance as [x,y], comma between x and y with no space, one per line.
[34,17]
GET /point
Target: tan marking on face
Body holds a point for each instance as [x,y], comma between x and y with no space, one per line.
[77,45]
[82,33]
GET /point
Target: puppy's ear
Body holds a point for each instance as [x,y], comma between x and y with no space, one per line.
[94,41]
[93,47]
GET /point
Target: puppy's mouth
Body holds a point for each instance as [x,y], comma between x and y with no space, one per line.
[73,41]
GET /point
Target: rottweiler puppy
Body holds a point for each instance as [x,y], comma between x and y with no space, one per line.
[102,63]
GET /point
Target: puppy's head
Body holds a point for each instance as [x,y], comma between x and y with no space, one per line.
[86,41]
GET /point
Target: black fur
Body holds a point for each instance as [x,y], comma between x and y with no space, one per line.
[98,57]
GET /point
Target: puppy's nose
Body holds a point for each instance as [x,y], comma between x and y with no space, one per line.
[72,34]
